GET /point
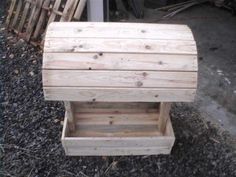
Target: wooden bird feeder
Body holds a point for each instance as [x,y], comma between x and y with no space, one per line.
[117,81]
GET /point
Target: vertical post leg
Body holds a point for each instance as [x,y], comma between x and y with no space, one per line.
[164,115]
[70,115]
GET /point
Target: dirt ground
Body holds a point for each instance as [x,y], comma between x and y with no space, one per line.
[205,130]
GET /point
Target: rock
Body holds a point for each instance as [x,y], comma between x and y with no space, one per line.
[11,56]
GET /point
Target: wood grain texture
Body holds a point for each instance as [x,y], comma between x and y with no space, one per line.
[139,145]
[119,30]
[119,61]
[57,45]
[33,18]
[140,79]
[119,94]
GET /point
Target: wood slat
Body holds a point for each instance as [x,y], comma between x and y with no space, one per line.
[80,9]
[53,14]
[24,15]
[33,18]
[117,30]
[117,151]
[116,131]
[10,12]
[119,94]
[78,78]
[119,45]
[42,19]
[119,61]
[16,16]
[69,10]
[115,118]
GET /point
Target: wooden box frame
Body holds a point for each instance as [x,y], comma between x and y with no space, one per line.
[95,144]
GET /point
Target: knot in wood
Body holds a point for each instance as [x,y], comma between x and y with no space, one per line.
[139,84]
[147,47]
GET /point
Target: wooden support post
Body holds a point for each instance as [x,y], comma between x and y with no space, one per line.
[164,115]
[70,115]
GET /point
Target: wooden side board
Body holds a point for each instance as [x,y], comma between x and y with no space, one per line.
[57,45]
[100,146]
[119,94]
[136,79]
[119,61]
[115,30]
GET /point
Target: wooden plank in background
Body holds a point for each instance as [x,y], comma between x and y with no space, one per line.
[116,30]
[119,94]
[41,20]
[33,19]
[24,15]
[119,45]
[79,9]
[69,11]
[16,16]
[138,79]
[10,12]
[53,14]
[119,61]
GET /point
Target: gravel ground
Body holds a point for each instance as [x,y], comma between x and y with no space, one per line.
[31,129]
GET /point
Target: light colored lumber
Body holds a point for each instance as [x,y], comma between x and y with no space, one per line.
[116,131]
[69,111]
[74,78]
[119,61]
[79,9]
[164,115]
[116,118]
[57,45]
[161,141]
[116,151]
[118,145]
[119,94]
[119,30]
[53,14]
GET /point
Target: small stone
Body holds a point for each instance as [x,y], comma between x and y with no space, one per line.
[3,57]
[11,56]
[31,73]
[56,120]
[16,71]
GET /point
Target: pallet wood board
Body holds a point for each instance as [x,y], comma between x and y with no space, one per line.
[30,18]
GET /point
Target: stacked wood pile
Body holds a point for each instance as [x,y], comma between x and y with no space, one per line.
[30,18]
[117,81]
